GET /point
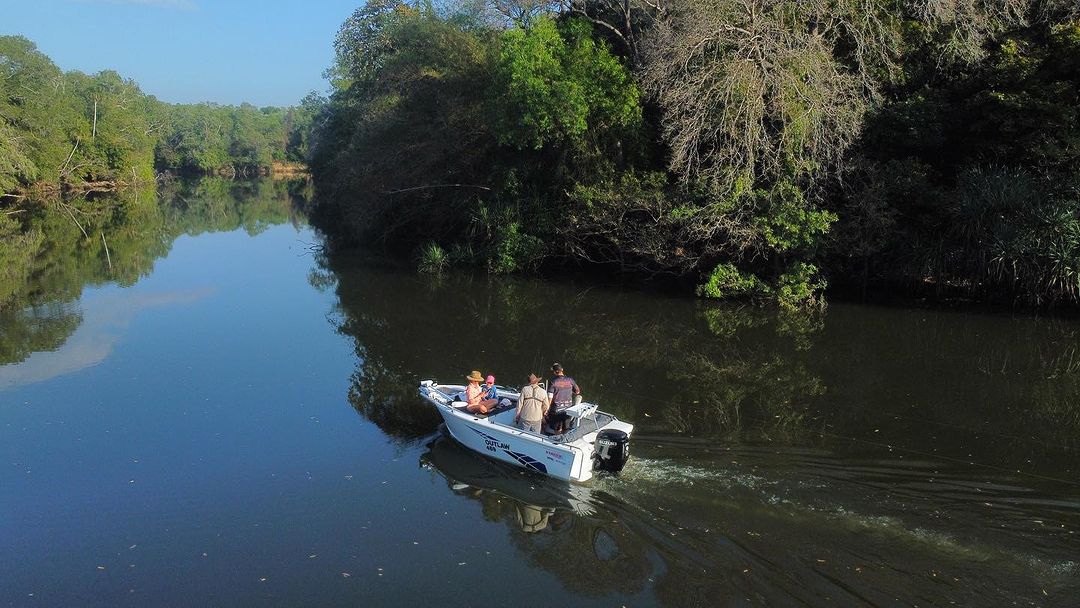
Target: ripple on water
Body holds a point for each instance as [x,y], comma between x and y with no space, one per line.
[892,513]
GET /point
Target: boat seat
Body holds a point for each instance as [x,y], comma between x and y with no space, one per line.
[502,407]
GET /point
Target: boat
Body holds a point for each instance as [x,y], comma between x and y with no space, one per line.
[596,441]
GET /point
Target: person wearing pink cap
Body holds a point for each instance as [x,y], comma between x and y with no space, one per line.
[489,389]
[476,396]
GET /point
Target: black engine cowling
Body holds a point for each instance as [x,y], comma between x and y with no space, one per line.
[611,450]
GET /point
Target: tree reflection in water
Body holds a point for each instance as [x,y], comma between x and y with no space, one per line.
[670,366]
[51,250]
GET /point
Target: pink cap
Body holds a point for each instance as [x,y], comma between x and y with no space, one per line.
[491,379]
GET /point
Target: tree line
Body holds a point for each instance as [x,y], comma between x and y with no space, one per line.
[64,129]
[757,149]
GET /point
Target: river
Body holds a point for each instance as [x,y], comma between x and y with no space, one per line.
[199,406]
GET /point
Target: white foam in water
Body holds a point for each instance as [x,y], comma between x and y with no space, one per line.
[670,472]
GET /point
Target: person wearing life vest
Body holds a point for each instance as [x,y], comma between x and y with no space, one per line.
[532,407]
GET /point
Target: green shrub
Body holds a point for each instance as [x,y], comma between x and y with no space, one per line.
[515,251]
[728,282]
[432,259]
[788,221]
[800,288]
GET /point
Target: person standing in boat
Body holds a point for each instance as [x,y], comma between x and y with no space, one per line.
[475,395]
[532,407]
[561,391]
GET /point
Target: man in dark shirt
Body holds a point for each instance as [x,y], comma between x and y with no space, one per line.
[561,390]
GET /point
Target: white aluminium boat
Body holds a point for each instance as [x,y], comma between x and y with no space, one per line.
[597,441]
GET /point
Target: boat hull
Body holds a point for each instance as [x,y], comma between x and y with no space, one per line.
[516,448]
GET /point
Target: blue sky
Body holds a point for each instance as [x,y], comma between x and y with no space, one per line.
[268,52]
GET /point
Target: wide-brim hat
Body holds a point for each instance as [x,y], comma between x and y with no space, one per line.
[475,376]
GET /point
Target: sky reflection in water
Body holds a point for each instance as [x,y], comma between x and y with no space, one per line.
[105,317]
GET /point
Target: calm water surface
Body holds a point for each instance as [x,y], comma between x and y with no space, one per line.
[213,413]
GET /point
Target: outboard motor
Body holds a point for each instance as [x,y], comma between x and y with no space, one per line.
[611,450]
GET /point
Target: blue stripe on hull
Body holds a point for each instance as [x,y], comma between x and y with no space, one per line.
[523,459]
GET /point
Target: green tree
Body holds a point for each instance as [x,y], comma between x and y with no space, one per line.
[556,83]
[35,105]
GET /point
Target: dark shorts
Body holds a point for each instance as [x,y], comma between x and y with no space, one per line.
[558,413]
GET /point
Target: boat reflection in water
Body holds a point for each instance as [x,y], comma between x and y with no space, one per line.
[470,474]
[558,526]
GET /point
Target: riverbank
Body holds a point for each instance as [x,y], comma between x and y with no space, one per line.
[275,170]
[52,190]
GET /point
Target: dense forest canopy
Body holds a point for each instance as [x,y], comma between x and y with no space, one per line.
[756,147]
[60,128]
